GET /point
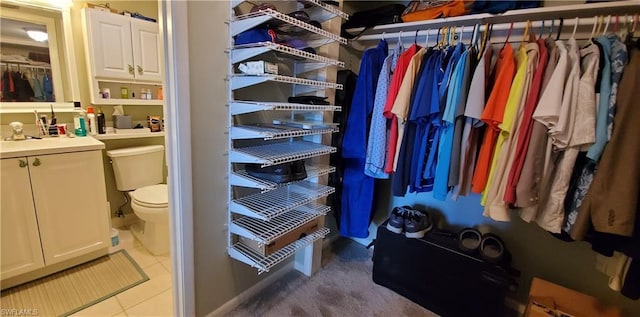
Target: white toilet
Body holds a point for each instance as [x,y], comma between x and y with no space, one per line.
[138,171]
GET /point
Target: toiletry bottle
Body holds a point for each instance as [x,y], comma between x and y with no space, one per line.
[102,127]
[78,120]
[92,124]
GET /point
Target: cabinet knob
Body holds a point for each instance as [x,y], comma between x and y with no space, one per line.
[130,69]
[140,70]
[37,162]
[23,163]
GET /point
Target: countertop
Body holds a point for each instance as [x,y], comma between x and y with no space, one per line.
[53,145]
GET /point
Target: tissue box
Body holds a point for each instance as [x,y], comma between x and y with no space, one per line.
[259,68]
[122,122]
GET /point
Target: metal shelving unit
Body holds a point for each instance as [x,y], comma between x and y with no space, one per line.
[243,179]
[277,153]
[272,133]
[248,21]
[271,210]
[239,81]
[241,53]
[265,232]
[269,205]
[244,254]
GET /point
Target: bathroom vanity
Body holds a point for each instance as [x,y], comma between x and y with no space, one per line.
[54,209]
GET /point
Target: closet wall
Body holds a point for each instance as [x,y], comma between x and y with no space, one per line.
[535,252]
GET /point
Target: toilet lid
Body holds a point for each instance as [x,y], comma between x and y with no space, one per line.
[152,196]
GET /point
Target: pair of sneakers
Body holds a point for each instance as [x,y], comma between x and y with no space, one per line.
[414,223]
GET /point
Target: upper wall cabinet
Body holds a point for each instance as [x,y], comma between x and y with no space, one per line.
[122,52]
[121,47]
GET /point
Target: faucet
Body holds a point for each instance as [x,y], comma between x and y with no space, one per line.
[18,133]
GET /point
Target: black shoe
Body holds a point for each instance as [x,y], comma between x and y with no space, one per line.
[396,220]
[280,173]
[417,223]
[298,170]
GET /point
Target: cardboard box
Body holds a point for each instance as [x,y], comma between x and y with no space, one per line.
[547,299]
[258,68]
[279,243]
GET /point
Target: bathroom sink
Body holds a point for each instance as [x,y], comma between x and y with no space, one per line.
[9,149]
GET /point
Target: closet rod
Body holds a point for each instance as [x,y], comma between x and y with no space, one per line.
[22,65]
[584,26]
[567,12]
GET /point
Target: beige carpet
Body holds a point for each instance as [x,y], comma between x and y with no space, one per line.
[74,289]
[343,288]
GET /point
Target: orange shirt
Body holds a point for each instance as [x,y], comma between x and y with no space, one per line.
[492,116]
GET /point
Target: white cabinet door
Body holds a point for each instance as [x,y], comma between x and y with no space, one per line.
[109,45]
[21,251]
[146,50]
[71,204]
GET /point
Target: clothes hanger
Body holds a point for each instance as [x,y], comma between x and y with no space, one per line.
[606,26]
[615,25]
[415,38]
[508,35]
[383,33]
[525,34]
[560,29]
[593,31]
[551,28]
[575,28]
[541,30]
[474,36]
[485,37]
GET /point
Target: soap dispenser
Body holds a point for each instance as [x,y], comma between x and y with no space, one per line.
[79,127]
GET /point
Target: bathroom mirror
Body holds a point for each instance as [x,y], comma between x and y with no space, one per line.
[37,63]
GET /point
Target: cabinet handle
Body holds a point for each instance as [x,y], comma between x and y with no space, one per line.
[140,70]
[130,69]
[23,163]
[37,162]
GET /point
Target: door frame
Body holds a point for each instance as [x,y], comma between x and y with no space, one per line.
[174,28]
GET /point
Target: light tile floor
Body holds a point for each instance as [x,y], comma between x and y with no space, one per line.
[151,298]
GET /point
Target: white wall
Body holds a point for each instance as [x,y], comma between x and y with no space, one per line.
[218,278]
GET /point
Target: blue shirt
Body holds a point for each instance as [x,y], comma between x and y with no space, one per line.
[448,119]
[355,134]
[603,103]
[377,143]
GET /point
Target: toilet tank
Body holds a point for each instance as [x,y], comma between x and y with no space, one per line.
[137,167]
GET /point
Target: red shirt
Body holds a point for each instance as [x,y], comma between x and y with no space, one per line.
[394,87]
[527,126]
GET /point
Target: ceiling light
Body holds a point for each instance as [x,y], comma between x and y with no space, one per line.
[37,35]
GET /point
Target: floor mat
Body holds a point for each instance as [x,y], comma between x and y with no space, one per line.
[76,288]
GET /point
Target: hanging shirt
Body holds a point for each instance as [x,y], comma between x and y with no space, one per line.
[526,126]
[493,193]
[421,117]
[394,88]
[551,214]
[401,105]
[402,176]
[438,103]
[603,103]
[584,132]
[378,133]
[530,184]
[619,59]
[441,181]
[613,197]
[470,64]
[355,134]
[492,116]
[472,125]
[47,87]
[357,188]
